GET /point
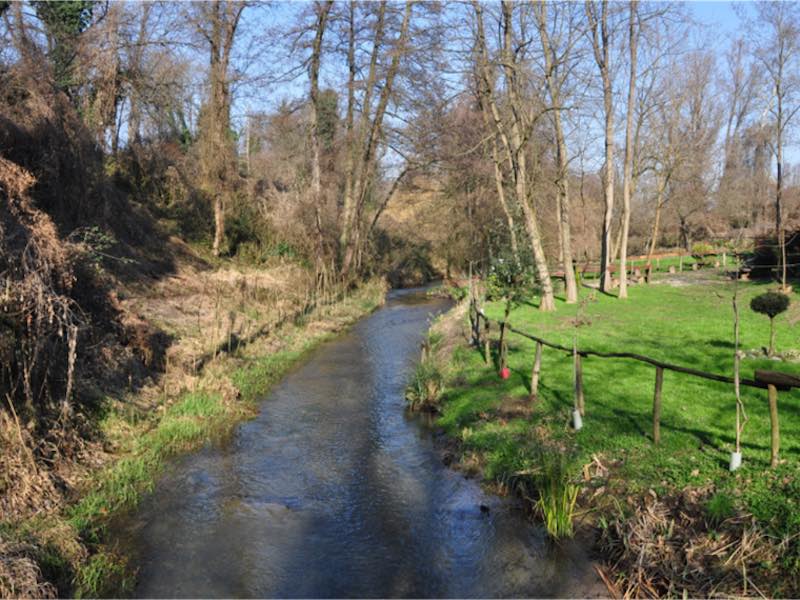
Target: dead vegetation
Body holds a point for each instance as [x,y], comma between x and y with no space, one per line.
[670,547]
[20,575]
[39,328]
[102,313]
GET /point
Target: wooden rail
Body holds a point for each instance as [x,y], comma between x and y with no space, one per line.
[639,357]
[769,380]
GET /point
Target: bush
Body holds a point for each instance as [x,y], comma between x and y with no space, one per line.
[771,304]
[427,386]
[766,258]
[701,249]
[510,280]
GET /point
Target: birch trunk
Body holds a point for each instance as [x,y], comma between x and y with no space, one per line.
[521,182]
[562,159]
[628,169]
[601,47]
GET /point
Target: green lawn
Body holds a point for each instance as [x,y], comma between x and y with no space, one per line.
[662,265]
[691,326]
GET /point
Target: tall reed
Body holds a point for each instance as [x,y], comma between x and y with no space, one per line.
[557,494]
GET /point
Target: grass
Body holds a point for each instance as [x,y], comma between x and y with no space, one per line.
[692,326]
[557,493]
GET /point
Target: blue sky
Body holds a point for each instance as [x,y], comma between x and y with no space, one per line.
[719,15]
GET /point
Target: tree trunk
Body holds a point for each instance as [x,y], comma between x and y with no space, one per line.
[562,160]
[217,150]
[771,350]
[323,10]
[601,47]
[521,174]
[654,235]
[779,235]
[628,169]
[565,225]
[344,236]
[219,224]
[501,197]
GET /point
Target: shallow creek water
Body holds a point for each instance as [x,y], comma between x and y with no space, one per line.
[334,491]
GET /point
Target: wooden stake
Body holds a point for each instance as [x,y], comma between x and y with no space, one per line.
[772,395]
[657,406]
[579,404]
[487,355]
[502,346]
[472,319]
[537,367]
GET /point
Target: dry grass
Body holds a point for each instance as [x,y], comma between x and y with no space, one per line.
[20,576]
[668,547]
[210,312]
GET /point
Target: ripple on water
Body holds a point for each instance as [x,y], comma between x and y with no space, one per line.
[333,491]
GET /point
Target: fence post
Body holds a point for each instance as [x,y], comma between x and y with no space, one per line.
[579,404]
[772,395]
[471,321]
[487,356]
[657,406]
[474,320]
[537,367]
[502,346]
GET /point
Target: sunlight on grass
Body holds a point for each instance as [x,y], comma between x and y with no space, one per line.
[690,326]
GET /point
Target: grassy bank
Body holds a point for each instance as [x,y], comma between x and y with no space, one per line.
[623,475]
[68,545]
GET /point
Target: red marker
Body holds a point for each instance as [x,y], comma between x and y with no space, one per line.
[505,373]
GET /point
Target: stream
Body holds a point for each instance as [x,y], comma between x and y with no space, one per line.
[334,491]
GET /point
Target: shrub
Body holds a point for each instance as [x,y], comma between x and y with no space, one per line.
[701,249]
[766,256]
[427,386]
[771,304]
[427,383]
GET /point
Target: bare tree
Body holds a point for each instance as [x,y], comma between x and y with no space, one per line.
[217,22]
[777,36]
[514,133]
[600,30]
[633,41]
[322,9]
[497,161]
[558,65]
[740,86]
[366,135]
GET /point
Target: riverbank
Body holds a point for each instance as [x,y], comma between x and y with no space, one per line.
[227,350]
[664,519]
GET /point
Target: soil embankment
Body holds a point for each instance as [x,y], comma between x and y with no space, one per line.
[208,340]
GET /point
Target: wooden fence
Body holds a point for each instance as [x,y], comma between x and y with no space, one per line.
[481,327]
